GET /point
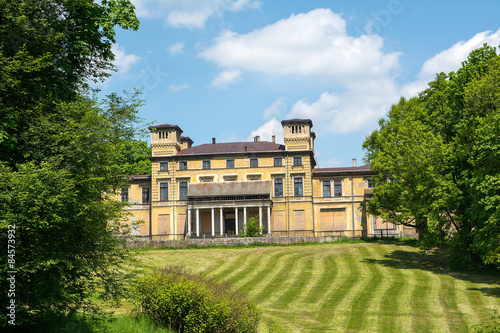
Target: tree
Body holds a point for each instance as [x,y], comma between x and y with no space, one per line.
[58,153]
[48,51]
[251,228]
[482,98]
[61,208]
[133,158]
[439,147]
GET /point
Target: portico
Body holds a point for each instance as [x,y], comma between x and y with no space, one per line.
[222,209]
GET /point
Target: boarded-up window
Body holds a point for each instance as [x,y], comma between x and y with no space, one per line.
[326,220]
[164,224]
[333,219]
[279,220]
[145,228]
[181,223]
[379,224]
[339,220]
[299,220]
[206,222]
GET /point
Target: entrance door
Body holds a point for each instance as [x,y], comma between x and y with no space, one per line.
[230,226]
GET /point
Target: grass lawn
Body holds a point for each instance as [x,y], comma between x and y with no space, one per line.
[353,287]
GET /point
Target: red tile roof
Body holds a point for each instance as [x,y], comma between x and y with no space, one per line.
[232,147]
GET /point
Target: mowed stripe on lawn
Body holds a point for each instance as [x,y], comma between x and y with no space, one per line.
[356,287]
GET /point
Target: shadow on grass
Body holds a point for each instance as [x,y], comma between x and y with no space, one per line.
[494,292]
[435,262]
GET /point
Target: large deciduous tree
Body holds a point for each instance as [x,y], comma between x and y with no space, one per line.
[58,154]
[441,149]
[48,49]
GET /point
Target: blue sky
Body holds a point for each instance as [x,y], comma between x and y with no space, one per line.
[233,69]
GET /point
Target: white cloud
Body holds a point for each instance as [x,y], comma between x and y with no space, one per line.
[449,60]
[189,13]
[315,43]
[267,130]
[123,61]
[357,109]
[225,78]
[176,48]
[314,110]
[177,88]
[275,110]
[191,19]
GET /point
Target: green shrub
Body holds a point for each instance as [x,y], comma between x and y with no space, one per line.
[252,228]
[187,302]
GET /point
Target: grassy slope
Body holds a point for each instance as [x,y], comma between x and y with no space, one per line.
[362,287]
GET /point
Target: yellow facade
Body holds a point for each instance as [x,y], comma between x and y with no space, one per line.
[211,190]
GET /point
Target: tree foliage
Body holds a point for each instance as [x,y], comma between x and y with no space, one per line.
[48,49]
[58,153]
[441,148]
[251,228]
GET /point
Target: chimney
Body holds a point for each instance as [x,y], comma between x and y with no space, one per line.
[246,149]
[274,138]
[213,141]
[257,138]
[353,162]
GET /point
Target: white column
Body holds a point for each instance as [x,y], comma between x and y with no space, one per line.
[197,223]
[268,220]
[260,217]
[221,222]
[244,217]
[213,222]
[236,220]
[189,222]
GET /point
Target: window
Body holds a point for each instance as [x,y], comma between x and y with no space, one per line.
[124,194]
[230,164]
[278,161]
[208,179]
[183,190]
[206,164]
[163,191]
[163,166]
[254,162]
[326,189]
[337,184]
[278,187]
[254,177]
[145,195]
[297,161]
[183,165]
[371,183]
[230,178]
[297,187]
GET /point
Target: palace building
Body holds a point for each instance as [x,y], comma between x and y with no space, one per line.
[211,190]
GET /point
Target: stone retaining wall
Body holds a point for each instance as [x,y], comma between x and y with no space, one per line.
[231,241]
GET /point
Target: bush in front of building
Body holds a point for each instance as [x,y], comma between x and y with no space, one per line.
[251,228]
[187,302]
